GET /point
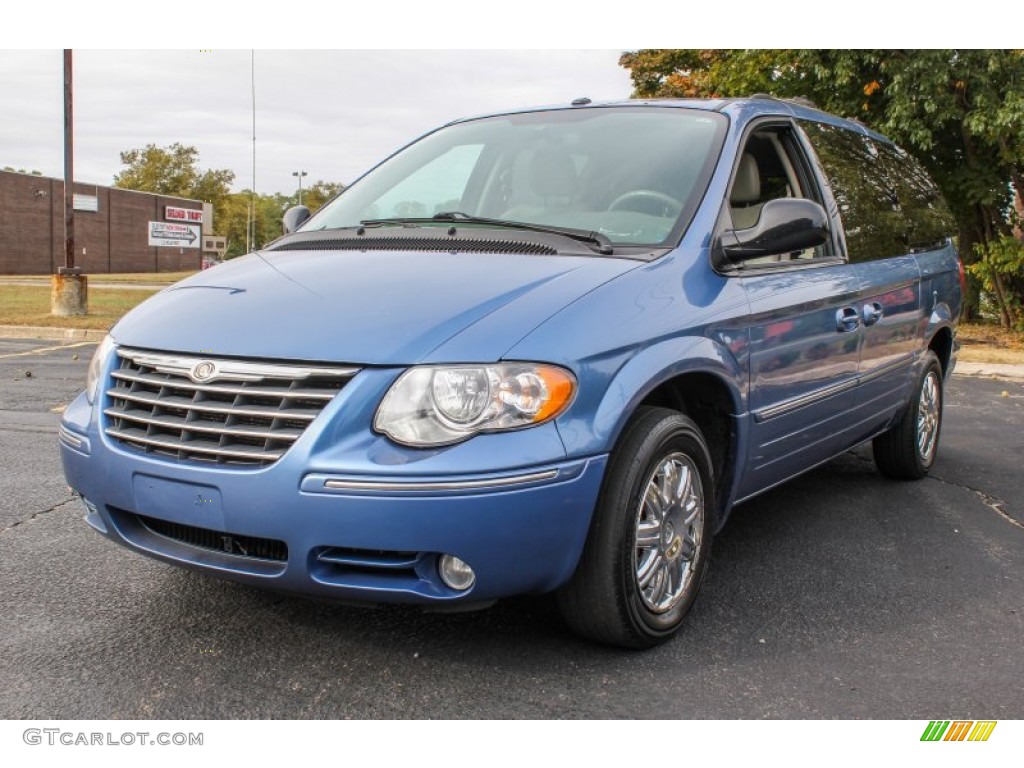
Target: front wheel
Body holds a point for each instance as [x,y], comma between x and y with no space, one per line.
[907,450]
[650,540]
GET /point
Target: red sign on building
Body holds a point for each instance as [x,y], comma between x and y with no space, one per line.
[182,214]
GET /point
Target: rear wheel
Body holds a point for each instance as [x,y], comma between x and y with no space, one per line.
[650,540]
[907,451]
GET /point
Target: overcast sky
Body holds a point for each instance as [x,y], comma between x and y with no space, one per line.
[330,113]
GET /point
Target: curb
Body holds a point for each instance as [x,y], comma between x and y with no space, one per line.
[65,335]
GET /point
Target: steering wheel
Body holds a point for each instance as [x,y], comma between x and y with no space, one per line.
[672,207]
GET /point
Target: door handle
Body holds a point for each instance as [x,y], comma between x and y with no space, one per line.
[873,313]
[847,319]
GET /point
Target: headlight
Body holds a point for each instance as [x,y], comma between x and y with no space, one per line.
[440,405]
[92,379]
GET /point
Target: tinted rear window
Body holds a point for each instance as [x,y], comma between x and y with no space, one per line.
[887,201]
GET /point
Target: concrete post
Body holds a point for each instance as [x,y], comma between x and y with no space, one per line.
[69,295]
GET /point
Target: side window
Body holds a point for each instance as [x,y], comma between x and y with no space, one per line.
[927,220]
[771,166]
[888,204]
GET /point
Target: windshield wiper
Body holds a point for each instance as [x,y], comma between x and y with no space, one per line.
[599,242]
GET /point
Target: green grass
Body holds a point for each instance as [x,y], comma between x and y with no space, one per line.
[128,277]
[30,305]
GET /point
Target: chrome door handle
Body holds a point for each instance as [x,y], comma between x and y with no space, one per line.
[873,313]
[847,319]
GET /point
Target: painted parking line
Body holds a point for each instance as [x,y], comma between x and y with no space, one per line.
[44,350]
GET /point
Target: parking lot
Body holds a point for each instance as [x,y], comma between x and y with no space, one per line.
[839,595]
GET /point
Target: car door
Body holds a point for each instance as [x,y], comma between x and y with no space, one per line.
[804,328]
[873,186]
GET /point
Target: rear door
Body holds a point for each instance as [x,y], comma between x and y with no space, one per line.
[890,211]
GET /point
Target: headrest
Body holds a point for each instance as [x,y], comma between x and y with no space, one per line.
[552,173]
[747,187]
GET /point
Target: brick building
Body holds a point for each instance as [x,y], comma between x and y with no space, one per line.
[112,228]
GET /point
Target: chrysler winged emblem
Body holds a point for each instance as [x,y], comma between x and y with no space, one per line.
[203,371]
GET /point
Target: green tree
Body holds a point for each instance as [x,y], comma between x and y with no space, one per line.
[174,170]
[960,112]
[236,224]
[232,222]
[319,193]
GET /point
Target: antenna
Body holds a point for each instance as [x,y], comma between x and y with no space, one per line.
[252,78]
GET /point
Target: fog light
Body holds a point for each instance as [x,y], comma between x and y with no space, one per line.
[455,573]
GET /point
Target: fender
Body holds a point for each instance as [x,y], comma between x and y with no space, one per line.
[640,375]
[942,317]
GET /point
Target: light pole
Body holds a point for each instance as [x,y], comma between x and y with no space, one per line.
[300,174]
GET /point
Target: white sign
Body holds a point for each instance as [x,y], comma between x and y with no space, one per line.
[182,214]
[169,235]
[85,202]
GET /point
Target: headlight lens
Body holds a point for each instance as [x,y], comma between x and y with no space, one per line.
[92,378]
[440,405]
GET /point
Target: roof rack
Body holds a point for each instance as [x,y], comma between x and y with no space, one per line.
[803,101]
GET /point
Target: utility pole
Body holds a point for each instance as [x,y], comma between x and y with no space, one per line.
[69,290]
[300,174]
[69,166]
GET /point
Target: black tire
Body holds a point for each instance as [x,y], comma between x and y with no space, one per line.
[605,599]
[907,450]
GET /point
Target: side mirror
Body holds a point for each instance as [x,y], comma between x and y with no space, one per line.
[294,218]
[786,225]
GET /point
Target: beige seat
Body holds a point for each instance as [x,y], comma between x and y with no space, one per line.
[745,198]
[553,183]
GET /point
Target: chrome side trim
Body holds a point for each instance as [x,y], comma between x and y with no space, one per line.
[787,406]
[886,369]
[234,370]
[496,482]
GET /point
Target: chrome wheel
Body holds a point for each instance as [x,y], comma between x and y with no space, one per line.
[928,413]
[668,528]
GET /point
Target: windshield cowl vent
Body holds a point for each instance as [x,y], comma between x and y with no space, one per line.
[419,242]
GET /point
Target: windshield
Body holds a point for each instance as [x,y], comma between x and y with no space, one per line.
[632,174]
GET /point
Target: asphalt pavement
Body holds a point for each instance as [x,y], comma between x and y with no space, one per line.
[839,595]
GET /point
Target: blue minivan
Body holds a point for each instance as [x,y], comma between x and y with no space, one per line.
[539,351]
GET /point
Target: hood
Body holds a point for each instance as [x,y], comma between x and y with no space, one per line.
[369,308]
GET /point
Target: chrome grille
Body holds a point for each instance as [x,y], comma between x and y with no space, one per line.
[216,409]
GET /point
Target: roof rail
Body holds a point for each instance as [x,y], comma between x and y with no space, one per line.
[803,101]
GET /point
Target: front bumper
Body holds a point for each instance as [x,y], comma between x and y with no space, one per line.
[303,525]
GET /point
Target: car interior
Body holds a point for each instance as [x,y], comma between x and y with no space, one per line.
[766,171]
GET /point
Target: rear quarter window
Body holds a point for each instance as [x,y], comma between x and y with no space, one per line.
[888,203]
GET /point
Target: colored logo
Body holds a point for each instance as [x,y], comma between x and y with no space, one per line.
[958,730]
